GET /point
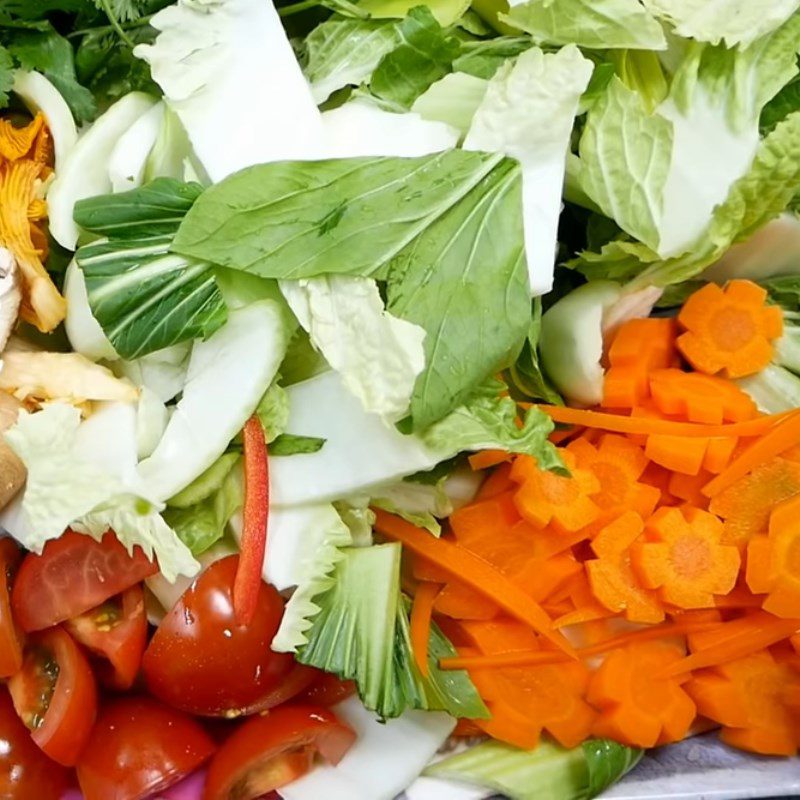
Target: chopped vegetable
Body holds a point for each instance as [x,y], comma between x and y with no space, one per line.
[729,330]
[421,611]
[684,558]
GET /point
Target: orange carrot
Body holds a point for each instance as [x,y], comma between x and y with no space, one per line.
[719,453]
[510,726]
[746,504]
[611,578]
[677,453]
[474,572]
[485,517]
[421,613]
[773,562]
[546,498]
[586,608]
[455,600]
[625,387]
[488,458]
[649,341]
[637,707]
[748,698]
[745,637]
[781,437]
[729,330]
[684,559]
[540,577]
[700,398]
[648,427]
[466,729]
[499,481]
[689,487]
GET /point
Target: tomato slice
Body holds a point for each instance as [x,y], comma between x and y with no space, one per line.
[55,695]
[10,641]
[202,661]
[73,574]
[327,690]
[25,771]
[268,752]
[138,748]
[116,631]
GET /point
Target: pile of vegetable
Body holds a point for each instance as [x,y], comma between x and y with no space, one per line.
[385,376]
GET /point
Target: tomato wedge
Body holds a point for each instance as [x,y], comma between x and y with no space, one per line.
[55,695]
[327,690]
[139,748]
[10,642]
[26,773]
[73,574]
[202,661]
[116,631]
[268,752]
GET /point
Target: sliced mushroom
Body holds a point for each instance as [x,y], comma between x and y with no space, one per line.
[12,470]
[10,294]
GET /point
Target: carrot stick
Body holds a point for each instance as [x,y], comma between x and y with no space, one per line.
[779,439]
[421,612]
[643,426]
[527,658]
[472,571]
[488,458]
[766,630]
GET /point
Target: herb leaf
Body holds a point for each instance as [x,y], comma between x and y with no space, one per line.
[6,75]
[144,297]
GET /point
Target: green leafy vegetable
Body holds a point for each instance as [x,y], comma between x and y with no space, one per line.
[361,633]
[289,444]
[425,54]
[598,24]
[207,484]
[482,58]
[452,100]
[6,75]
[446,12]
[784,103]
[526,373]
[144,297]
[273,412]
[550,772]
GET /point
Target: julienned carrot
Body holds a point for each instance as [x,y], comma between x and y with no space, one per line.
[474,572]
[665,630]
[780,438]
[488,458]
[647,427]
[421,613]
[750,634]
[729,330]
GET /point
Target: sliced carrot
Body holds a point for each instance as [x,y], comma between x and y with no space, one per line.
[647,427]
[689,487]
[625,387]
[677,453]
[586,608]
[700,398]
[485,517]
[746,636]
[540,577]
[466,729]
[472,571]
[748,697]
[510,726]
[488,458]
[546,498]
[456,600]
[684,558]
[618,464]
[781,437]
[746,504]
[611,577]
[719,453]
[637,707]
[740,597]
[649,341]
[659,478]
[421,614]
[773,561]
[729,330]
[499,481]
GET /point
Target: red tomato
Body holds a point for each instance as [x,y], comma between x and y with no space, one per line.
[138,748]
[268,752]
[10,644]
[327,690]
[55,695]
[201,661]
[25,771]
[73,574]
[117,632]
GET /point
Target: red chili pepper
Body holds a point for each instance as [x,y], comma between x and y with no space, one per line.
[254,527]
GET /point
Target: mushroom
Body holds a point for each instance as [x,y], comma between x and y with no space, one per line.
[10,295]
[12,470]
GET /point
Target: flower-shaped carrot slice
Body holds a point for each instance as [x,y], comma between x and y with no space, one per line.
[684,558]
[611,577]
[636,706]
[729,330]
[751,698]
[545,497]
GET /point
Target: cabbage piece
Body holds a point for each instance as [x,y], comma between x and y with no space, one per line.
[521,96]
[452,100]
[126,166]
[163,372]
[378,355]
[40,95]
[227,377]
[83,330]
[215,55]
[84,172]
